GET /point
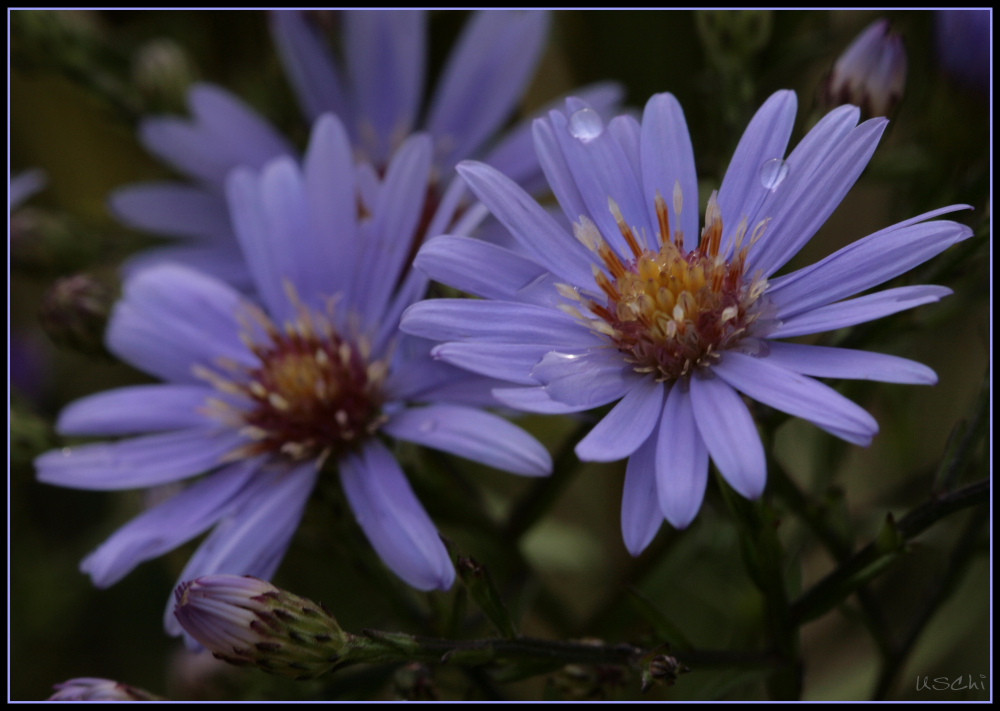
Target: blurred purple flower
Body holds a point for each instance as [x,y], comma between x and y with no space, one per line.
[962,40]
[22,186]
[636,308]
[871,72]
[377,93]
[94,689]
[259,397]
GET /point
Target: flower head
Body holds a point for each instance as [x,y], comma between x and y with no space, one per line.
[377,91]
[639,306]
[93,689]
[871,72]
[244,620]
[259,395]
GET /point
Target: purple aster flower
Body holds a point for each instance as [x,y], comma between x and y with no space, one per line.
[674,323]
[87,688]
[258,396]
[377,93]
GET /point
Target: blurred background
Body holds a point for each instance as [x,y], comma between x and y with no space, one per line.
[79,82]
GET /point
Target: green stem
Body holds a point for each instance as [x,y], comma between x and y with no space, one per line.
[763,557]
[961,555]
[373,646]
[876,556]
[838,546]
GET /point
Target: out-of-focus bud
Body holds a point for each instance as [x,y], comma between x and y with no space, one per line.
[248,621]
[870,74]
[162,72]
[93,689]
[74,312]
[732,36]
[962,39]
[661,669]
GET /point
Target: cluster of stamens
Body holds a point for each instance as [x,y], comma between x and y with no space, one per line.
[313,394]
[671,311]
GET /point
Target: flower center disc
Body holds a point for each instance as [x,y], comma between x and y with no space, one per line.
[314,393]
[672,311]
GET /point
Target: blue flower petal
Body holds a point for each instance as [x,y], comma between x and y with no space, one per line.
[498,50]
[386,53]
[797,395]
[172,318]
[508,362]
[826,362]
[514,155]
[859,310]
[167,525]
[473,434]
[534,400]
[177,209]
[668,159]
[536,232]
[802,205]
[459,262]
[393,519]
[641,516]
[309,66]
[396,215]
[626,426]
[864,264]
[764,139]
[730,435]
[225,133]
[494,322]
[221,259]
[138,462]
[681,461]
[601,169]
[593,378]
[137,409]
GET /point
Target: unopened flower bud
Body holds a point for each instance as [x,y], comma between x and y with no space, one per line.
[870,73]
[248,621]
[162,72]
[661,669]
[74,312]
[93,689]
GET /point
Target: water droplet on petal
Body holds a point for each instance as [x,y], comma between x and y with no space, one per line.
[585,125]
[773,172]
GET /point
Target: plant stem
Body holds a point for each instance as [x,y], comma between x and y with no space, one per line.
[873,558]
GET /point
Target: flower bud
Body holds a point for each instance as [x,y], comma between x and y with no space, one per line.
[870,73]
[661,669]
[247,621]
[92,689]
[74,312]
[162,72]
